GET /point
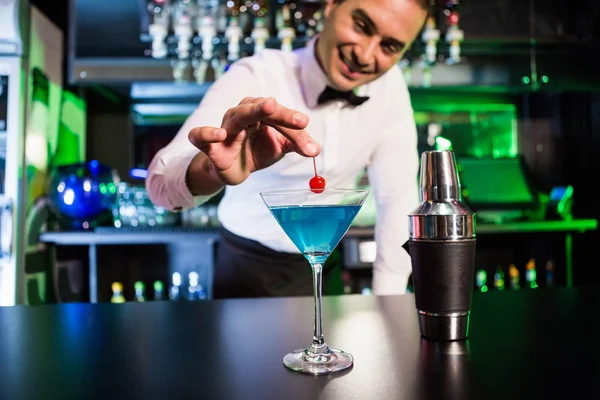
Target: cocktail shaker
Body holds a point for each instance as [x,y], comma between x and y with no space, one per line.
[442,250]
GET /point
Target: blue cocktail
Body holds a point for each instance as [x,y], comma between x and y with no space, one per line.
[316,222]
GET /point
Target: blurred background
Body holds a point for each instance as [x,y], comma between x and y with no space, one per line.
[90,90]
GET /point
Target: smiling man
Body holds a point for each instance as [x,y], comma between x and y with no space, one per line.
[343,99]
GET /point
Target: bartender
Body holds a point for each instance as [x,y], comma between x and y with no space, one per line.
[343,100]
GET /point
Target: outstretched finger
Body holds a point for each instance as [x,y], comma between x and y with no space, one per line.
[298,141]
[287,118]
[250,112]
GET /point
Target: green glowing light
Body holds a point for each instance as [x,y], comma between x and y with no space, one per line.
[563,201]
[484,289]
[525,80]
[544,79]
[442,143]
[112,188]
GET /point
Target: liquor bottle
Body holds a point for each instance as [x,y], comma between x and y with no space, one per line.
[481,280]
[531,274]
[193,286]
[499,279]
[550,273]
[513,272]
[117,293]
[195,290]
[175,293]
[159,292]
[139,289]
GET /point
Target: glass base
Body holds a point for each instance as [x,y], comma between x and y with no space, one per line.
[318,361]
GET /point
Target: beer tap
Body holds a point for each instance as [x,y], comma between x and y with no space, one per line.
[233,33]
[431,36]
[260,31]
[158,29]
[182,27]
[206,26]
[286,33]
[260,34]
[454,36]
[182,23]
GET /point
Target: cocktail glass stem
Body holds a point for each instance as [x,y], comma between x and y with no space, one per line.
[318,343]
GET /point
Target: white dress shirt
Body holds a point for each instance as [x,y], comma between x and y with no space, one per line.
[379,134]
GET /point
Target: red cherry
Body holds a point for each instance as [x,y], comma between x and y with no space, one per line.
[317,184]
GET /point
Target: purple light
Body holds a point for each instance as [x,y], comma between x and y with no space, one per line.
[138,173]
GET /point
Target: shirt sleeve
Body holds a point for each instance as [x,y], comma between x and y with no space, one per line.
[165,182]
[393,176]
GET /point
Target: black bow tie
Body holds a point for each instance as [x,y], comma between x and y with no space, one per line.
[332,94]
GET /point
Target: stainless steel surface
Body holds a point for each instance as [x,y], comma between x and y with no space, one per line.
[441,214]
[442,227]
[439,179]
[444,326]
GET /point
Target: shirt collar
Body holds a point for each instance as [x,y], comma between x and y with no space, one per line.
[312,77]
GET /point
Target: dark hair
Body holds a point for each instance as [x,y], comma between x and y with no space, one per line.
[425,4]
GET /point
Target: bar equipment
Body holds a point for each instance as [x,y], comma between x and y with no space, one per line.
[442,249]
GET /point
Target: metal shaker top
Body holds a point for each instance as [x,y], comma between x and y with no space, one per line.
[439,179]
[441,215]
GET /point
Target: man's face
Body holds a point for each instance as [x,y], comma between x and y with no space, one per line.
[363,39]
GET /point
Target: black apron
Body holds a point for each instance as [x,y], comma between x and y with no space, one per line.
[245,268]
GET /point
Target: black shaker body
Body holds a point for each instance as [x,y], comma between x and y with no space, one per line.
[443,273]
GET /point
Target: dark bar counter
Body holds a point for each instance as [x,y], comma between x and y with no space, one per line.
[527,344]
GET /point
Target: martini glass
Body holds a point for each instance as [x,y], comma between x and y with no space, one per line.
[316,222]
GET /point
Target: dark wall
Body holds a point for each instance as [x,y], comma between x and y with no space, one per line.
[581,144]
[110,138]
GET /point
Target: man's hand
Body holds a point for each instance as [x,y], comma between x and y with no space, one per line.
[254,135]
